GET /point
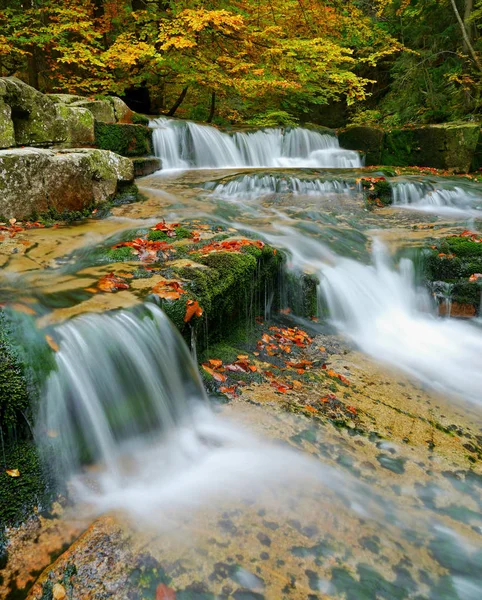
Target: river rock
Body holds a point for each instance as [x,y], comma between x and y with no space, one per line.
[34,179]
[146,165]
[368,140]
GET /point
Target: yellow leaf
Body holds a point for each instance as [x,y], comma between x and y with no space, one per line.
[12,472]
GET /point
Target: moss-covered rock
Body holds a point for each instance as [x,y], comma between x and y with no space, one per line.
[449,268]
[230,287]
[35,119]
[7,132]
[125,139]
[445,146]
[79,125]
[368,140]
[36,180]
[103,110]
[122,113]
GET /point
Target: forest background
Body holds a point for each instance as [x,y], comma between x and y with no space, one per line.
[256,62]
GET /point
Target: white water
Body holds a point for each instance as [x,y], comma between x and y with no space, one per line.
[429,198]
[187,145]
[381,309]
[127,396]
[253,186]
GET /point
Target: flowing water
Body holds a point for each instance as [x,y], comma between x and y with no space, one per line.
[125,418]
[185,145]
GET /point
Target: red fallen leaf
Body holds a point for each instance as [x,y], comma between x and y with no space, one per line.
[266,338]
[112,283]
[328,397]
[269,374]
[217,376]
[228,246]
[215,362]
[351,409]
[475,277]
[192,308]
[310,408]
[332,373]
[252,368]
[169,290]
[163,592]
[166,227]
[228,390]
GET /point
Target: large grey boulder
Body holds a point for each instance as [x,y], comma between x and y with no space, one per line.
[79,125]
[32,180]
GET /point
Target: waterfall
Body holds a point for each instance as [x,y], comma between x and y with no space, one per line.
[425,196]
[389,318]
[127,399]
[183,144]
[252,186]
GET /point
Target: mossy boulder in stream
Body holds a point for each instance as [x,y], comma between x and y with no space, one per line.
[123,138]
[453,266]
[445,146]
[229,286]
[368,140]
[7,132]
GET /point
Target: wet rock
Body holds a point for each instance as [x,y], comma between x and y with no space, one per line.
[146,165]
[457,310]
[7,132]
[122,113]
[34,180]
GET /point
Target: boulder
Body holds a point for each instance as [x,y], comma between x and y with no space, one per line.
[79,125]
[368,140]
[33,180]
[102,110]
[35,119]
[7,132]
[66,98]
[123,138]
[445,146]
[122,113]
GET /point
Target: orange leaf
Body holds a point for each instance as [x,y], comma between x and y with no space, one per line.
[216,363]
[217,376]
[192,308]
[310,408]
[12,472]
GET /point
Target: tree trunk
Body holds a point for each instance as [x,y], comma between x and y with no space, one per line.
[178,102]
[33,78]
[467,42]
[213,107]
[469,6]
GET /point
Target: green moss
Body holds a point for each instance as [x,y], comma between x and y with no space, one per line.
[14,398]
[124,253]
[181,234]
[139,119]
[124,139]
[368,140]
[232,287]
[126,194]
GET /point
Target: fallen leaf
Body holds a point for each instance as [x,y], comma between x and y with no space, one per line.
[192,308]
[215,362]
[12,472]
[217,376]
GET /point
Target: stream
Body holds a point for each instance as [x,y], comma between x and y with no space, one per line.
[241,498]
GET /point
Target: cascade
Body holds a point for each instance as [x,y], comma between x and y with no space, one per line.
[252,186]
[184,144]
[426,196]
[126,397]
